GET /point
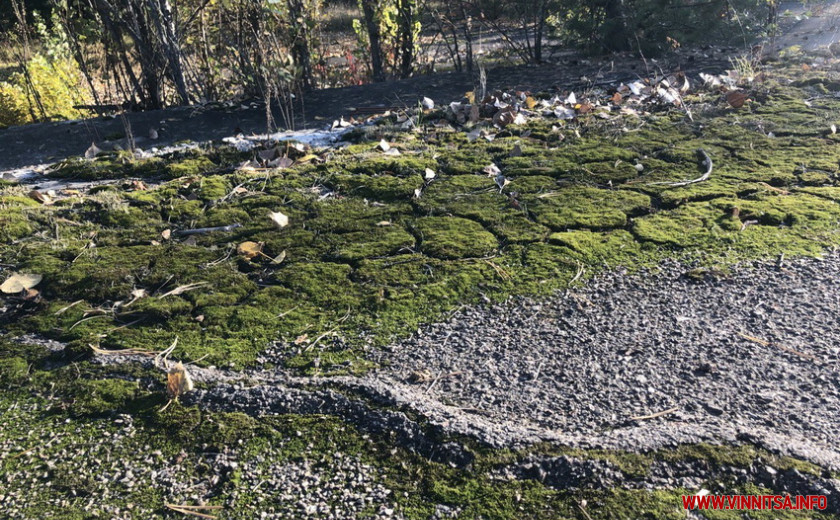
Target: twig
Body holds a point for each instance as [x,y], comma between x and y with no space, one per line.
[537,372]
[582,510]
[164,354]
[124,351]
[181,289]
[579,273]
[504,275]
[199,231]
[442,376]
[68,307]
[194,510]
[706,160]
[86,319]
[319,338]
[766,343]
[654,415]
[284,313]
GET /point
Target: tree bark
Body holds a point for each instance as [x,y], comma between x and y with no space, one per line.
[406,13]
[301,52]
[370,9]
[161,14]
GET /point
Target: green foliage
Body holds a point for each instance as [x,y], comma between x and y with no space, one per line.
[656,26]
[54,88]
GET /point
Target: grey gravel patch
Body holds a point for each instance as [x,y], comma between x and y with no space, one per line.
[577,367]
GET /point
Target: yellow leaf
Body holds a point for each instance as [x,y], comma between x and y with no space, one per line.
[178,381]
[249,249]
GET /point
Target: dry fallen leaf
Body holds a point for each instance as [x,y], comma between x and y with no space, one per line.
[166,234]
[492,170]
[428,103]
[429,174]
[279,258]
[736,98]
[281,163]
[279,219]
[91,152]
[384,146]
[504,117]
[20,282]
[178,381]
[249,249]
[530,102]
[37,196]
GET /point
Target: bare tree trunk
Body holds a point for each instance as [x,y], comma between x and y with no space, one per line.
[301,52]
[161,14]
[468,37]
[370,9]
[406,14]
[538,30]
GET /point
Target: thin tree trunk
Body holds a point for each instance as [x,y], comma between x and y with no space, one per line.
[370,10]
[300,41]
[406,13]
[161,14]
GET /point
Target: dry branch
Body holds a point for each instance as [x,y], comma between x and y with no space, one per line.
[706,161]
[654,415]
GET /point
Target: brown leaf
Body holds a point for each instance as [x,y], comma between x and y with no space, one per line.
[37,196]
[530,102]
[736,98]
[616,98]
[504,117]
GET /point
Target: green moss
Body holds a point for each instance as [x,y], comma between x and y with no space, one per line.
[13,371]
[190,167]
[587,208]
[454,237]
[97,397]
[383,187]
[381,241]
[614,248]
[14,224]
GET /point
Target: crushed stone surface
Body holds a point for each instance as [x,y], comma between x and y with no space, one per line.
[753,356]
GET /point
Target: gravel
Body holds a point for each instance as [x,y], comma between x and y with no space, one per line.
[580,366]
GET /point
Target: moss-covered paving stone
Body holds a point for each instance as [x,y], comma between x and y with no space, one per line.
[454,237]
[369,234]
[587,208]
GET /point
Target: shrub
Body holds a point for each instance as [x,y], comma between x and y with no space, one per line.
[56,84]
